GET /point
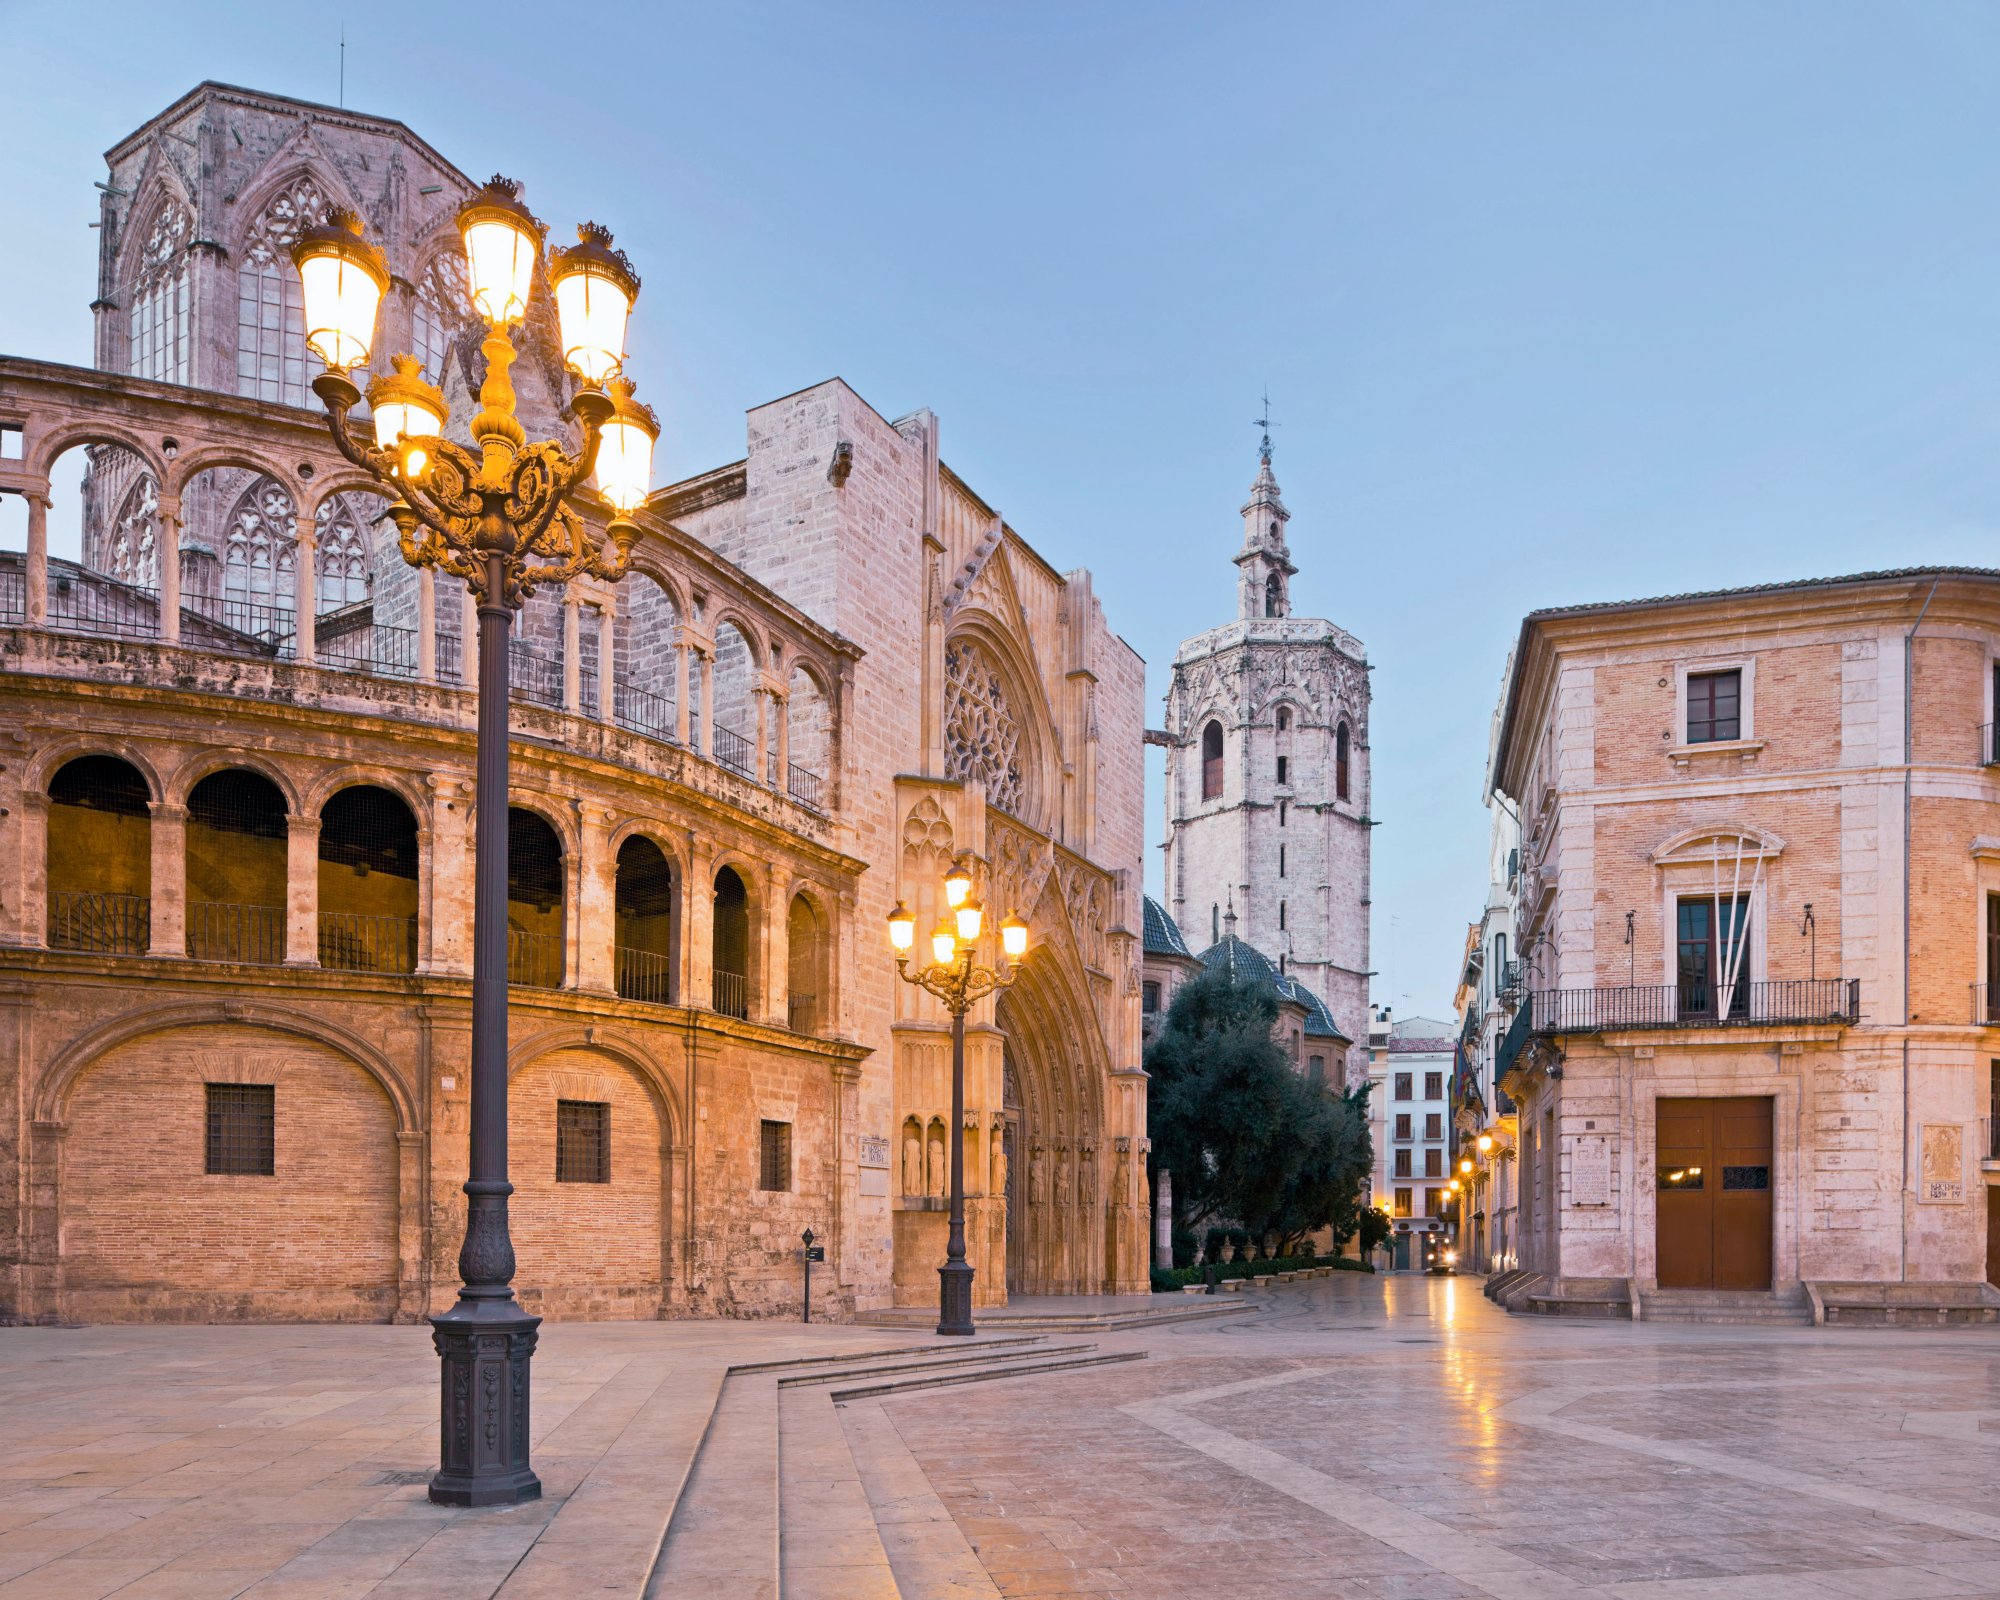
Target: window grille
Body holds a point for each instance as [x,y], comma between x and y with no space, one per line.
[583,1141]
[242,1130]
[774,1167]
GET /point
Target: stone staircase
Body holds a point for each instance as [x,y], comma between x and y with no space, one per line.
[1743,1307]
[775,1503]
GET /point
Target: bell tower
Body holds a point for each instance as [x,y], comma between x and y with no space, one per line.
[1264,564]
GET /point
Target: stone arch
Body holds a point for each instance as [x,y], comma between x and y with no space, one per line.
[808,960]
[206,763]
[51,1094]
[736,926]
[200,458]
[581,1086]
[45,763]
[64,437]
[323,785]
[1678,846]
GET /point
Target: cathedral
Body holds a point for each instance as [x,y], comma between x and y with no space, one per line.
[1267,821]
[236,823]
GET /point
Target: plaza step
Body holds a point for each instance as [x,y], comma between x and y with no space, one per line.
[984,1374]
[1744,1307]
[985,1354]
[722,1538]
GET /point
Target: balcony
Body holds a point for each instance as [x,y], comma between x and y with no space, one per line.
[1668,1005]
[104,924]
[731,994]
[251,936]
[802,1012]
[644,975]
[363,942]
[534,960]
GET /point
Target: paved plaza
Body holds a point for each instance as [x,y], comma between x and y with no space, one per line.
[1350,1437]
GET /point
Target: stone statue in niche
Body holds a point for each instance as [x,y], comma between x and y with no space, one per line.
[1036,1172]
[999,1180]
[913,1162]
[935,1189]
[1063,1177]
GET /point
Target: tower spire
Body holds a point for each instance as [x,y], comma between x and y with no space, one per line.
[1264,564]
[1263,423]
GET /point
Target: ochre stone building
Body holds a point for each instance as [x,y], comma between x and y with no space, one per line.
[1756,1048]
[236,822]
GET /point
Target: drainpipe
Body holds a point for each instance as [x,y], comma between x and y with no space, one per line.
[1909,759]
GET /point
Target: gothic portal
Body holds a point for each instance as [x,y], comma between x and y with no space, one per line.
[1267,777]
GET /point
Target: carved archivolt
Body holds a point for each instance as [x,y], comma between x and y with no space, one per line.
[982,737]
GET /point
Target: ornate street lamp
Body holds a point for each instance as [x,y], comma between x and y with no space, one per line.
[500,518]
[955,978]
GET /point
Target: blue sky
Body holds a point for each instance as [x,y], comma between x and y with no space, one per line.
[1555,302]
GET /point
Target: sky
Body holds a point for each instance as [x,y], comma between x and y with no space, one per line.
[1554,302]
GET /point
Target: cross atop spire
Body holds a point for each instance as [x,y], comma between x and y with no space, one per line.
[1264,422]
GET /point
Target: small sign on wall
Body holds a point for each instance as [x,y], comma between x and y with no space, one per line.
[875,1151]
[1941,1178]
[1590,1170]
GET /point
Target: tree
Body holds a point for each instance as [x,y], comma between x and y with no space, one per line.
[1246,1138]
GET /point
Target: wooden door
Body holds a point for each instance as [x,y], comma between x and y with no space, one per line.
[1714,1193]
[1993,1235]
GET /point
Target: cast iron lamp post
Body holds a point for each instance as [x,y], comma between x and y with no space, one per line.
[954,977]
[501,519]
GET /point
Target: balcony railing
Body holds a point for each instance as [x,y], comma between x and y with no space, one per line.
[642,710]
[1989,744]
[644,975]
[733,750]
[534,960]
[13,595]
[108,924]
[534,676]
[246,935]
[1668,1005]
[103,606]
[802,1013]
[450,659]
[273,630]
[731,994]
[353,941]
[375,648]
[804,786]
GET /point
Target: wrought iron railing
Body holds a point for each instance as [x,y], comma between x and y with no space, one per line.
[802,1013]
[246,935]
[534,960]
[13,595]
[730,993]
[374,648]
[642,710]
[1693,1005]
[586,691]
[273,628]
[644,975]
[735,751]
[450,659]
[356,941]
[103,606]
[534,676]
[803,786]
[1514,1040]
[108,924]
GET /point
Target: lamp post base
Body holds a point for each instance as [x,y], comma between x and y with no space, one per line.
[955,1298]
[484,1347]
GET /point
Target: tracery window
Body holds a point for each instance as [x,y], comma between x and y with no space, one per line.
[158,321]
[270,313]
[982,740]
[259,547]
[440,312]
[132,555]
[342,555]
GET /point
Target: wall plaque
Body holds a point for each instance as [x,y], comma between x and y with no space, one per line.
[874,1150]
[1590,1170]
[1942,1177]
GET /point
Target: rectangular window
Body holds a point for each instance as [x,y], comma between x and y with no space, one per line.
[1434,1126]
[1402,1202]
[1402,1124]
[1992,1011]
[1402,1086]
[1281,920]
[11,435]
[1316,1070]
[242,1130]
[1402,1163]
[774,1164]
[1284,769]
[1713,973]
[1281,861]
[1150,998]
[1434,1202]
[1281,813]
[1433,1085]
[583,1141]
[1715,704]
[1433,1163]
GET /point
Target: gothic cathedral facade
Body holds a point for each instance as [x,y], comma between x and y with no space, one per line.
[1268,777]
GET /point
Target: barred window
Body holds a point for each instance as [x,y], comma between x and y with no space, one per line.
[242,1130]
[774,1166]
[583,1141]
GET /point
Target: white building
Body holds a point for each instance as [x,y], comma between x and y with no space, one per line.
[1410,1062]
